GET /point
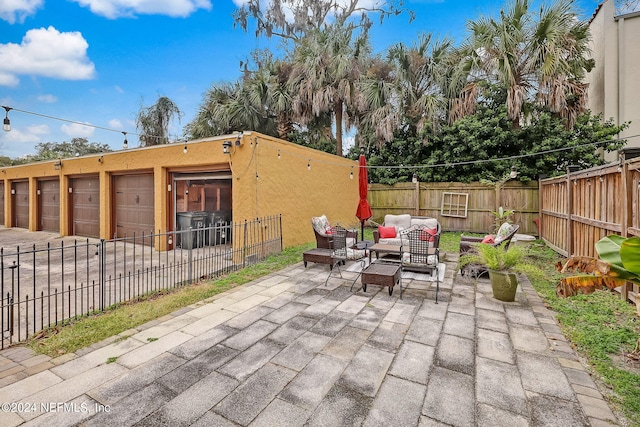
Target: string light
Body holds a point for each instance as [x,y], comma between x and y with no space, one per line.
[278,154]
[7,124]
[469,162]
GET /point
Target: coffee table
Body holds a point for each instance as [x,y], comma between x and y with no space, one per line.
[383,249]
[382,274]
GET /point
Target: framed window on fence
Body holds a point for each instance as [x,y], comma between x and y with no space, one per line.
[454,204]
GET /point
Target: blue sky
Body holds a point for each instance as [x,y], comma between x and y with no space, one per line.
[99,61]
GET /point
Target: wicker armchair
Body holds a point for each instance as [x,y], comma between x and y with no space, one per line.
[322,230]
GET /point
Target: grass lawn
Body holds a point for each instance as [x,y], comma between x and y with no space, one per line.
[600,326]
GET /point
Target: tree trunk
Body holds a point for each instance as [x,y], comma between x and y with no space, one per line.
[338,113]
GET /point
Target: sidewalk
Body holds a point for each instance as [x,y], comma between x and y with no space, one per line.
[285,350]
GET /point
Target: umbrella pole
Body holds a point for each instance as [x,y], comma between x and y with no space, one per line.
[362,229]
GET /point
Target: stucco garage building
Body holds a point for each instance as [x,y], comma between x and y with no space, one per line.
[154,188]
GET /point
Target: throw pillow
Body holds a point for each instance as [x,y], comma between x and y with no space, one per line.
[387,232]
[428,233]
[488,239]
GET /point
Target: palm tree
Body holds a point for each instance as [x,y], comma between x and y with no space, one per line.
[327,65]
[411,95]
[259,101]
[539,58]
[153,122]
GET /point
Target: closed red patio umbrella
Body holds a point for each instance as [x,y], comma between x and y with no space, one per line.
[364,209]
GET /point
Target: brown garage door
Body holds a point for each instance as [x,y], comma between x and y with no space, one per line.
[86,206]
[1,203]
[133,205]
[49,205]
[20,191]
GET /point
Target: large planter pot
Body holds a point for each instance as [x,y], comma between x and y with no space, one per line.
[504,285]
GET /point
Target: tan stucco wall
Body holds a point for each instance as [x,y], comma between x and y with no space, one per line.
[284,186]
[614,82]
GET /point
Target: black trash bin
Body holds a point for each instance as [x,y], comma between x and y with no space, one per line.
[219,223]
[195,220]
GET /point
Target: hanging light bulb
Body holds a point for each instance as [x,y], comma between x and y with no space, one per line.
[309,165]
[125,143]
[184,150]
[7,123]
[278,154]
[351,174]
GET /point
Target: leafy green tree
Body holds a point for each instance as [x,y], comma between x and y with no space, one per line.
[470,144]
[153,122]
[62,150]
[295,19]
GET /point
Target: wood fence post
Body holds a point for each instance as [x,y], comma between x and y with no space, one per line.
[626,196]
[626,208]
[569,211]
[416,195]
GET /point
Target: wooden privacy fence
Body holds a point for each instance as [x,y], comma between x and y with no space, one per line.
[458,206]
[581,207]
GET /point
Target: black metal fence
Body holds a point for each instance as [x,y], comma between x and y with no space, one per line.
[43,287]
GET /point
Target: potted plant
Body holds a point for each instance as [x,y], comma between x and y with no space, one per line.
[503,265]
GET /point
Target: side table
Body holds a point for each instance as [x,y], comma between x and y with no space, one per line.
[382,274]
[318,256]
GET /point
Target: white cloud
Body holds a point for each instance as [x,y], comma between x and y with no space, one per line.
[117,8]
[48,98]
[8,80]
[115,124]
[118,89]
[77,130]
[30,134]
[16,10]
[48,53]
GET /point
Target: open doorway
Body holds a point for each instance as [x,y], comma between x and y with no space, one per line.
[202,201]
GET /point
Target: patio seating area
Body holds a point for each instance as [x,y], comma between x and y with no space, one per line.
[287,350]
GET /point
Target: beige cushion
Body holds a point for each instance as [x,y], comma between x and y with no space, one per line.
[424,222]
[400,222]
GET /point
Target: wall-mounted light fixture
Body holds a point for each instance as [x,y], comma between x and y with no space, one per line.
[57,165]
[125,143]
[7,123]
[226,147]
[100,159]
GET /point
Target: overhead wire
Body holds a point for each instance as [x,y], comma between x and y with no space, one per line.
[410,167]
[82,124]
